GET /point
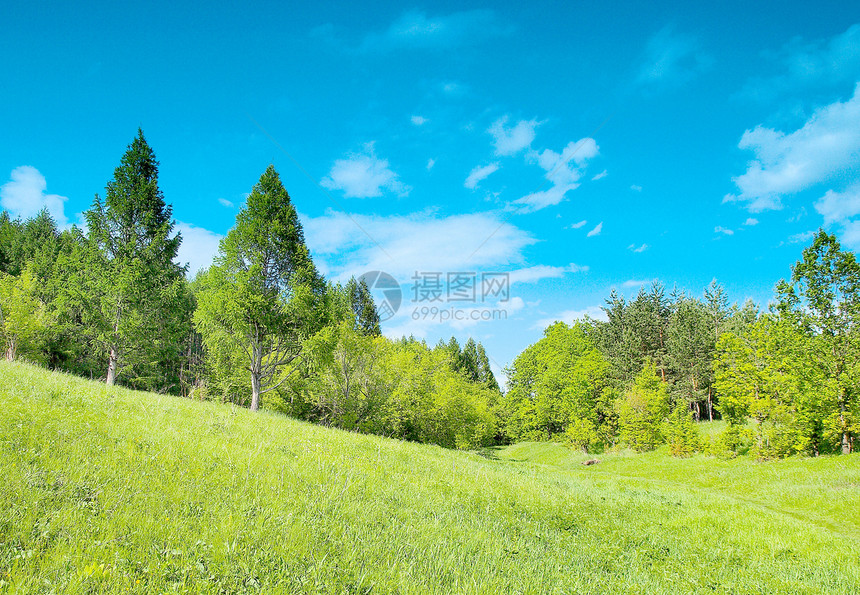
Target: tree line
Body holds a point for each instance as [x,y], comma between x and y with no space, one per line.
[260,327]
[785,381]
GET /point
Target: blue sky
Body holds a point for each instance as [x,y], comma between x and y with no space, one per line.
[578,147]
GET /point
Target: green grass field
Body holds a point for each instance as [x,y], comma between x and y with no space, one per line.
[112,491]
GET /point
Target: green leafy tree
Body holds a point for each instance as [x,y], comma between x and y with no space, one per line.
[471,365]
[346,384]
[71,345]
[263,295]
[23,318]
[643,410]
[8,236]
[682,434]
[770,375]
[33,239]
[649,314]
[558,381]
[134,286]
[824,296]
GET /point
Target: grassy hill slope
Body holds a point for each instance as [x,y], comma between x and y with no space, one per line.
[112,491]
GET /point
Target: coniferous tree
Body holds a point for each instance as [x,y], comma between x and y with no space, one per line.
[689,349]
[135,290]
[8,231]
[263,295]
[363,308]
[618,340]
[470,361]
[487,378]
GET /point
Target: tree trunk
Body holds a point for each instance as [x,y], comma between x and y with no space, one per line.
[255,390]
[846,441]
[114,352]
[11,349]
[710,406]
[112,360]
[256,374]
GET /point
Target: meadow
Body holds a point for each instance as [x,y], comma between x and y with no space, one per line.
[107,490]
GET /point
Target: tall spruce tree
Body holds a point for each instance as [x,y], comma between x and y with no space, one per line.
[263,295]
[133,284]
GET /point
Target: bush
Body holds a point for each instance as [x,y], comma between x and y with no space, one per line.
[733,441]
[581,433]
[643,410]
[681,431]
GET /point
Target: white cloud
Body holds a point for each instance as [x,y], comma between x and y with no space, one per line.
[841,208]
[539,200]
[721,229]
[636,283]
[800,214]
[430,164]
[578,224]
[786,163]
[538,272]
[563,170]
[364,175]
[414,320]
[419,120]
[568,316]
[802,237]
[599,176]
[596,231]
[424,244]
[751,221]
[417,30]
[454,88]
[851,234]
[838,207]
[636,188]
[199,246]
[24,196]
[510,141]
[478,174]
[475,315]
[823,62]
[637,249]
[226,203]
[672,58]
[560,168]
[404,244]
